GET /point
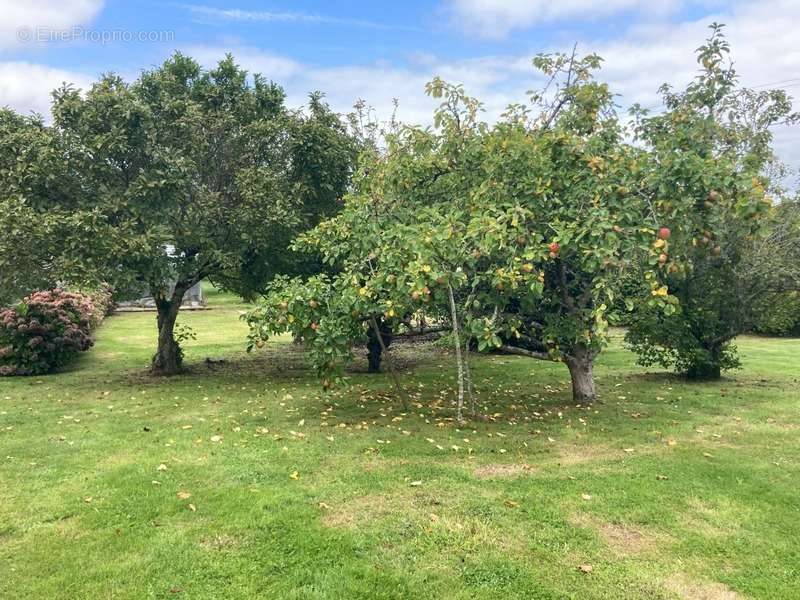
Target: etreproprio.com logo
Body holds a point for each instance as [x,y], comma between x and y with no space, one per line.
[39,35]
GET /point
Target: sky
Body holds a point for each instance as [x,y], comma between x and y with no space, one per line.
[381,51]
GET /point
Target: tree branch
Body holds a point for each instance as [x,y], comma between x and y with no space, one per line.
[522,352]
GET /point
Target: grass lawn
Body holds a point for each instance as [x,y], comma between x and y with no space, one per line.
[241,479]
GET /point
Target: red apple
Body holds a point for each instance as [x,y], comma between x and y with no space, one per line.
[664,233]
[554,247]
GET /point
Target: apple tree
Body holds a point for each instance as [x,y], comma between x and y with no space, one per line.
[515,234]
[711,178]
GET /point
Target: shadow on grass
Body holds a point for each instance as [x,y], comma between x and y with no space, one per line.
[287,362]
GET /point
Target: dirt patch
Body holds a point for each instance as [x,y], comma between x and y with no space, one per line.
[419,512]
[622,538]
[218,542]
[690,589]
[626,539]
[568,456]
[501,471]
[362,509]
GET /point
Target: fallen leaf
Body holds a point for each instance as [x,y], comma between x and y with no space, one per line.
[184,495]
[662,477]
[161,467]
[415,483]
[294,475]
[585,568]
[323,506]
[216,438]
[511,504]
[192,508]
[586,496]
[88,499]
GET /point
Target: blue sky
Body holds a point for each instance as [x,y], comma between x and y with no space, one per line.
[384,50]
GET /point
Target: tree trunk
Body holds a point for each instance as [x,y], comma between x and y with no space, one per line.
[168,359]
[459,358]
[374,346]
[379,337]
[704,371]
[581,369]
[709,369]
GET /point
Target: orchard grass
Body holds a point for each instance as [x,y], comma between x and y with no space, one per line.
[269,488]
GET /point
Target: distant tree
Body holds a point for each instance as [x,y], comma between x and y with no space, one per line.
[710,177]
[200,174]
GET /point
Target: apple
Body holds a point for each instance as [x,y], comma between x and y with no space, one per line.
[554,247]
[717,250]
[415,295]
[314,326]
[527,267]
[664,233]
[662,258]
[313,304]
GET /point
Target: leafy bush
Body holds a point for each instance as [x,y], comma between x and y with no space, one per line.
[677,342]
[779,314]
[45,331]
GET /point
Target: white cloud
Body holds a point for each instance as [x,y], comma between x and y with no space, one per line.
[496,18]
[762,35]
[26,87]
[208,13]
[252,59]
[21,17]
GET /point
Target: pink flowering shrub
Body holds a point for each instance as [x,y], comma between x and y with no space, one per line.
[45,331]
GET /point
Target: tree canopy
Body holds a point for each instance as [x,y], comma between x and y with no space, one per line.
[194,174]
[712,175]
[520,235]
